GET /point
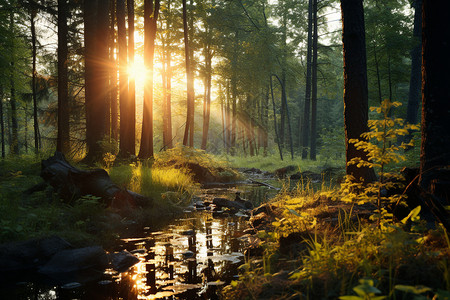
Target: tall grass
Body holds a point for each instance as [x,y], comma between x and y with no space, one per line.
[154,181]
[272,162]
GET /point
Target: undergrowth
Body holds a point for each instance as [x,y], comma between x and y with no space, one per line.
[348,245]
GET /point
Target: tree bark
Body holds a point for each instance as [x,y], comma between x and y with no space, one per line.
[306,111]
[435,89]
[63,139]
[113,74]
[312,153]
[275,120]
[131,134]
[14,141]
[355,85]
[416,63]
[2,124]
[33,12]
[188,138]
[96,107]
[125,149]
[151,12]
[207,97]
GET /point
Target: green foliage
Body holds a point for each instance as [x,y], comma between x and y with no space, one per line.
[365,291]
[184,158]
[380,144]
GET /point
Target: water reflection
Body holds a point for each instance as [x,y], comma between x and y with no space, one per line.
[187,260]
[191,258]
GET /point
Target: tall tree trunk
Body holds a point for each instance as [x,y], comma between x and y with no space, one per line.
[33,13]
[277,137]
[168,101]
[284,102]
[234,129]
[435,88]
[283,74]
[188,138]
[306,111]
[125,149]
[312,153]
[131,135]
[96,107]
[355,85]
[265,122]
[207,97]
[416,63]
[167,84]
[14,142]
[228,118]
[377,70]
[113,74]
[63,140]
[151,12]
[25,140]
[2,124]
[222,115]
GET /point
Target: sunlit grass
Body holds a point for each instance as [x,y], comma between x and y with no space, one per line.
[272,162]
[153,182]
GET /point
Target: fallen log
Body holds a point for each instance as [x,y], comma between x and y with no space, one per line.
[72,183]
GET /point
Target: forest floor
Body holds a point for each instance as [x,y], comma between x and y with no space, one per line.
[306,243]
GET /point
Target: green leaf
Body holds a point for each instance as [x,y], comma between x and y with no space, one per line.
[351,298]
[419,289]
[413,215]
[294,212]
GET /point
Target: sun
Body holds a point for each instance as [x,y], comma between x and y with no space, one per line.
[137,71]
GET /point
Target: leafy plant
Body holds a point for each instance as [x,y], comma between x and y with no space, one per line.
[380,144]
[365,291]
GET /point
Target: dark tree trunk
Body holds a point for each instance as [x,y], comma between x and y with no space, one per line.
[146,149]
[312,154]
[90,9]
[14,141]
[131,134]
[125,149]
[25,112]
[228,118]
[377,70]
[234,129]
[63,140]
[284,102]
[168,101]
[167,105]
[113,75]
[2,124]
[435,89]
[416,63]
[355,85]
[33,13]
[306,111]
[277,137]
[96,107]
[265,122]
[207,97]
[188,139]
[283,76]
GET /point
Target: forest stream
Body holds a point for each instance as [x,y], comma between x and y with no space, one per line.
[189,257]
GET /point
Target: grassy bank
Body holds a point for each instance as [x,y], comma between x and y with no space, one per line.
[320,245]
[167,180]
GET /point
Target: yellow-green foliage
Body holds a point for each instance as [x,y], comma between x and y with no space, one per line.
[272,162]
[153,181]
[182,157]
[380,144]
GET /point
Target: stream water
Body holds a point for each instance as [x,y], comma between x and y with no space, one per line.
[191,257]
